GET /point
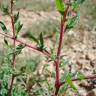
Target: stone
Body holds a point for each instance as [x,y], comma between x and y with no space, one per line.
[90,56]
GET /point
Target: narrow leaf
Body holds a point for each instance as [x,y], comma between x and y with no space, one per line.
[3,26]
[75,6]
[16,17]
[30,36]
[63,89]
[20,46]
[80,1]
[19,49]
[80,75]
[60,6]
[72,22]
[6,42]
[41,40]
[69,81]
[18,27]
[5,9]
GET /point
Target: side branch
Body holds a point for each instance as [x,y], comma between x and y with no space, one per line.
[27,45]
[78,79]
[57,63]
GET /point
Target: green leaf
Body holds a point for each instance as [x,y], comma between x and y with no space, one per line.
[20,47]
[3,26]
[75,6]
[5,9]
[60,6]
[64,63]
[72,22]
[80,75]
[63,77]
[69,81]
[32,66]
[41,45]
[18,27]
[30,36]
[80,1]
[16,17]
[63,89]
[6,42]
[19,91]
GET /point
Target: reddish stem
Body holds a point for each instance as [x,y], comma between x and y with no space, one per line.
[14,45]
[13,31]
[77,79]
[57,62]
[27,45]
[11,86]
[57,82]
[14,41]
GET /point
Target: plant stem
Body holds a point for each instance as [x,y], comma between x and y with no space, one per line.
[57,82]
[57,62]
[13,31]
[46,53]
[11,86]
[14,45]
[77,79]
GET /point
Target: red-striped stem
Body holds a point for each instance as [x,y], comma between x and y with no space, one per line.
[57,62]
[46,53]
[14,46]
[78,79]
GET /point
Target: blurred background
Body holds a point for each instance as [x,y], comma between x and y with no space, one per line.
[38,16]
[43,12]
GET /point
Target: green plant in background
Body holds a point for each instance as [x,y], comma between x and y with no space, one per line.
[31,79]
